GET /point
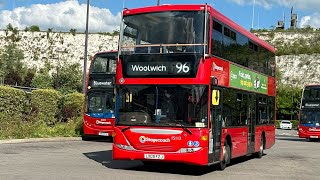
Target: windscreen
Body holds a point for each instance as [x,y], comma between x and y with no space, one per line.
[311,93]
[163,32]
[100,104]
[104,63]
[163,105]
[310,117]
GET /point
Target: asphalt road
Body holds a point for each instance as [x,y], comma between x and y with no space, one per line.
[290,158]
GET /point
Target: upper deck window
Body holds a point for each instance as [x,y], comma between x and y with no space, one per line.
[104,65]
[163,32]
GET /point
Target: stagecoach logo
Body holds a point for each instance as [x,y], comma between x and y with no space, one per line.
[314,129]
[144,139]
[216,67]
[103,122]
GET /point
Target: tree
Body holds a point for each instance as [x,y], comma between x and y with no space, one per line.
[42,78]
[43,81]
[26,29]
[12,68]
[68,78]
[34,28]
[285,102]
[12,34]
[73,31]
[116,33]
[29,77]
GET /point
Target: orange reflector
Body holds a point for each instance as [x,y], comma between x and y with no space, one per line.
[113,134]
[204,138]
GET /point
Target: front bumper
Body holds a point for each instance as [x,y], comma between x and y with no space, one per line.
[285,127]
[309,134]
[195,158]
[99,131]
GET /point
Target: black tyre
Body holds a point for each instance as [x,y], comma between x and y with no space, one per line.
[260,152]
[313,139]
[226,157]
[86,138]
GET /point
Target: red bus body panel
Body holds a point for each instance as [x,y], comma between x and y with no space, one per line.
[309,132]
[269,131]
[239,136]
[170,148]
[95,126]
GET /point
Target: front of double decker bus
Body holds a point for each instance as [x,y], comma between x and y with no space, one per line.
[162,85]
[99,117]
[309,117]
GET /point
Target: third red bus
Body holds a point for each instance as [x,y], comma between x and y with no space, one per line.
[98,118]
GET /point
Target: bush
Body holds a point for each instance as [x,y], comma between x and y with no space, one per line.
[42,81]
[73,128]
[12,102]
[44,103]
[72,105]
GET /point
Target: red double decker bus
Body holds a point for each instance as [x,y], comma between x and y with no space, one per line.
[98,118]
[309,116]
[192,87]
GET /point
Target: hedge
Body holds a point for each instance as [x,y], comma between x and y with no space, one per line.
[45,105]
[72,105]
[12,103]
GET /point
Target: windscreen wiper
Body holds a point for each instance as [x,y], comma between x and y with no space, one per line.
[137,124]
[185,129]
[124,129]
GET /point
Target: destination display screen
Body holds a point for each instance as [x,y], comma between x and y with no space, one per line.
[101,82]
[310,104]
[160,66]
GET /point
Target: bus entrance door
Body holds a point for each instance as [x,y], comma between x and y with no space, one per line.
[216,124]
[251,123]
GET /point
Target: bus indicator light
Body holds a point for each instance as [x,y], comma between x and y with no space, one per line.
[204,138]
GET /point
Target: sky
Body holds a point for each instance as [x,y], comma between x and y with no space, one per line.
[62,15]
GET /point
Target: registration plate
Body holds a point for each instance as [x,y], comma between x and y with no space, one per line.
[314,136]
[103,134]
[153,156]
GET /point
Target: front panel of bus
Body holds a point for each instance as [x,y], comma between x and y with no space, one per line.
[100,96]
[309,120]
[162,88]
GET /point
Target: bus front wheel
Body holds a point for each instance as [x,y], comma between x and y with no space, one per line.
[226,157]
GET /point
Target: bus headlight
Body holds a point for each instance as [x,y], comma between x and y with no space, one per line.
[189,150]
[125,147]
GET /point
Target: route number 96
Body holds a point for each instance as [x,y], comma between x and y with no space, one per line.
[182,68]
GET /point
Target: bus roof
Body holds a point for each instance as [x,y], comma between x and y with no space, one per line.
[105,52]
[312,85]
[216,14]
